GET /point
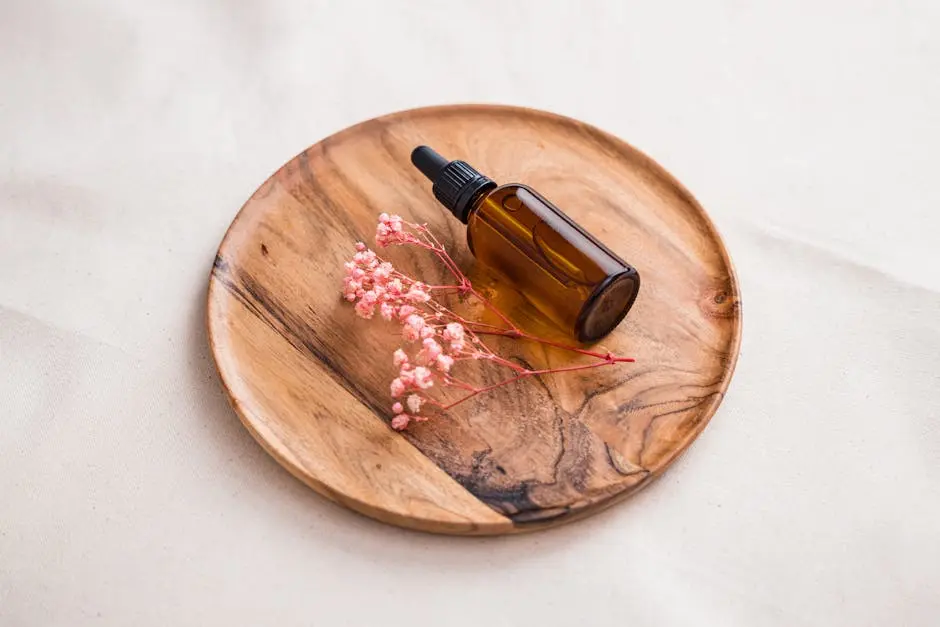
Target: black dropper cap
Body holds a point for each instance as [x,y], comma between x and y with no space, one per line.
[456,183]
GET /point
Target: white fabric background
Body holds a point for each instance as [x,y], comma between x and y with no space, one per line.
[130,134]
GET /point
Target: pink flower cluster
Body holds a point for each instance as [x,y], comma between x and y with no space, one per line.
[391,231]
[440,349]
[373,284]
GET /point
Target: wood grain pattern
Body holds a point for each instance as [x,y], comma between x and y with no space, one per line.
[310,380]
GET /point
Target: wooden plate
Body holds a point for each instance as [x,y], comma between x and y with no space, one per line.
[310,380]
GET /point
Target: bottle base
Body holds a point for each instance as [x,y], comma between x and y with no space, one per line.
[607,306]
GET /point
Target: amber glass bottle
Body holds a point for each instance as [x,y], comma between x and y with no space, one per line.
[566,273]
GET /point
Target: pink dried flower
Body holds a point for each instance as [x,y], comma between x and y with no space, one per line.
[444,363]
[414,403]
[399,357]
[431,349]
[411,331]
[397,408]
[417,295]
[407,375]
[360,246]
[423,377]
[365,308]
[405,310]
[400,421]
[427,332]
[387,311]
[390,230]
[397,387]
[453,331]
[382,274]
[366,258]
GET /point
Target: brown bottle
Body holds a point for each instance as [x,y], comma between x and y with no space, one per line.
[569,276]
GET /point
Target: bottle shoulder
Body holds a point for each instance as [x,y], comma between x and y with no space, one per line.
[500,195]
[511,187]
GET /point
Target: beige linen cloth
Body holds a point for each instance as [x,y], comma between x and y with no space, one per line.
[130,134]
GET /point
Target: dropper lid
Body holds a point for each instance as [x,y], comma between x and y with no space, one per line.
[456,183]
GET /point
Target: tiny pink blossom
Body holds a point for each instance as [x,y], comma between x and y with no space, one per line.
[390,230]
[453,331]
[445,363]
[364,309]
[397,387]
[360,246]
[387,311]
[400,421]
[407,375]
[456,346]
[423,377]
[399,357]
[432,349]
[405,310]
[418,293]
[397,408]
[427,332]
[414,403]
[411,331]
[381,274]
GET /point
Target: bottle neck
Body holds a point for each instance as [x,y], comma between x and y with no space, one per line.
[456,184]
[467,207]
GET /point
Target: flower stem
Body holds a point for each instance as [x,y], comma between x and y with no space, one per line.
[523,375]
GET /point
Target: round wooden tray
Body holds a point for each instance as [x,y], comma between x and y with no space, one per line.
[310,380]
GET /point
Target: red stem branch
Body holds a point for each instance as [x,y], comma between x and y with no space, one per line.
[523,375]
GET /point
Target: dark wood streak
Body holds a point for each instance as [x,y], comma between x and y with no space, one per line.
[282,321]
